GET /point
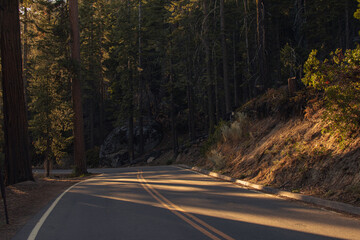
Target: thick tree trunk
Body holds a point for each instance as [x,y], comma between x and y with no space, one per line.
[26,50]
[224,58]
[79,145]
[17,159]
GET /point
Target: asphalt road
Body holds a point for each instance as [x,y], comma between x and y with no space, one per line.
[173,203]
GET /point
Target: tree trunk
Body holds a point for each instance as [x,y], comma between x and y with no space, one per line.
[247,49]
[131,147]
[141,121]
[131,138]
[91,125]
[208,60]
[26,50]
[17,159]
[347,32]
[262,81]
[172,106]
[47,156]
[236,92]
[79,145]
[189,93]
[173,125]
[218,114]
[224,58]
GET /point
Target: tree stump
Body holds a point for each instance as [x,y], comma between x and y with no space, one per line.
[292,86]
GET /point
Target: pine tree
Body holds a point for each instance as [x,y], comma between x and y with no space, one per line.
[79,144]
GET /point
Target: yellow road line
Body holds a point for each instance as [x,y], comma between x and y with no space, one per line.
[204,231]
[177,208]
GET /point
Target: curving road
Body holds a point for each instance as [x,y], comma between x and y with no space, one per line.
[173,203]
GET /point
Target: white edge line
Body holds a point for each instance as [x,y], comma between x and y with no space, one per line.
[39,224]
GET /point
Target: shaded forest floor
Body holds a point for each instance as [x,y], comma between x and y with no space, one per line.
[26,199]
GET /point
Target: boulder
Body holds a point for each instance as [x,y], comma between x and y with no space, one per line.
[150,159]
[114,150]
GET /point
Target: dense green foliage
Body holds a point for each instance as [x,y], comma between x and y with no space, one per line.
[339,78]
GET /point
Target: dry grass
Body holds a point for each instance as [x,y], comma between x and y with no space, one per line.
[295,155]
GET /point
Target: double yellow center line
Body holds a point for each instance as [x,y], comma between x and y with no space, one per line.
[195,222]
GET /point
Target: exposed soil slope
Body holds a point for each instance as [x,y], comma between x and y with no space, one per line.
[294,155]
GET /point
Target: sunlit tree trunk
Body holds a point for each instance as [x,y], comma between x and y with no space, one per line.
[79,144]
[17,159]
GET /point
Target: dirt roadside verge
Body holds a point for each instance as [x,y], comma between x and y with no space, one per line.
[25,199]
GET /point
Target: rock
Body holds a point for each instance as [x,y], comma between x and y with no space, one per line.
[150,159]
[178,158]
[114,150]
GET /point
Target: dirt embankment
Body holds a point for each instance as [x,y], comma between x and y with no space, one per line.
[294,155]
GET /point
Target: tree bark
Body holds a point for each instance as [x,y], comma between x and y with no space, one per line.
[189,93]
[17,159]
[208,60]
[262,81]
[79,145]
[347,32]
[218,114]
[141,120]
[131,137]
[26,50]
[236,92]
[224,58]
[47,156]
[247,49]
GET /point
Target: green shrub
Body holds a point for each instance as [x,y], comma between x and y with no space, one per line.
[212,139]
[237,130]
[339,79]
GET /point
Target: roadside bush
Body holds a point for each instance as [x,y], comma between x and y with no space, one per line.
[217,159]
[213,138]
[339,79]
[237,130]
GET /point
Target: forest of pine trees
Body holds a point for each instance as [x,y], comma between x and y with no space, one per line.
[186,64]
